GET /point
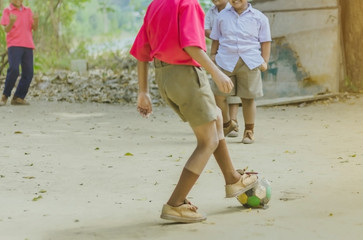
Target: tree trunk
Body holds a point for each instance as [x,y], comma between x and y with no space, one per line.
[352,29]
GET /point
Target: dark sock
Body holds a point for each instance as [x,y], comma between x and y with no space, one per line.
[185,184]
[227,124]
[249,126]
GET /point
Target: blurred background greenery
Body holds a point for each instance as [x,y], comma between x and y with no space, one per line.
[82,29]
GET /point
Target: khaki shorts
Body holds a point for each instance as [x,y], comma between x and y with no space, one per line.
[234,100]
[186,89]
[247,83]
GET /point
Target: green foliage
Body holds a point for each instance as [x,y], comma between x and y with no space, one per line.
[116,61]
[2,38]
[81,50]
[206,4]
[68,29]
[108,18]
[54,36]
[139,5]
[3,50]
[104,8]
[349,85]
[39,62]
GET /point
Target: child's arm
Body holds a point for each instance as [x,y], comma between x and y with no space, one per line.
[214,49]
[144,106]
[8,27]
[223,82]
[207,32]
[265,53]
[35,21]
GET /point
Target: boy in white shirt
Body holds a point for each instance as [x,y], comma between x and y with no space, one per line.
[241,47]
[212,14]
[232,129]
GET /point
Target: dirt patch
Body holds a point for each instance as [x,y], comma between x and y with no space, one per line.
[95,171]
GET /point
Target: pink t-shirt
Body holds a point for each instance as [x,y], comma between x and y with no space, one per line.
[21,34]
[170,26]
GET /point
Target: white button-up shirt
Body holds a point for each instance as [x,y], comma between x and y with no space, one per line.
[211,16]
[240,36]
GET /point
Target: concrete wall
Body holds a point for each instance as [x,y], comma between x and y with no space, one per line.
[306,51]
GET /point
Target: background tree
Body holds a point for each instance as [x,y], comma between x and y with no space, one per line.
[55,17]
[74,28]
[352,30]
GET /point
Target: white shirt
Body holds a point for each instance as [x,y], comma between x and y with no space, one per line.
[211,16]
[240,36]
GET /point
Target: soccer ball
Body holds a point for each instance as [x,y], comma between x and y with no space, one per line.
[258,196]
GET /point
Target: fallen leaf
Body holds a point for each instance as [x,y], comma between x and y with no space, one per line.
[37,198]
[30,177]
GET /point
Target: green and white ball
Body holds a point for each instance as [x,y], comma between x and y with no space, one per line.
[258,196]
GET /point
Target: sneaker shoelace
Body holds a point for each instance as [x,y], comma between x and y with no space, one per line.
[244,171]
[190,205]
[248,134]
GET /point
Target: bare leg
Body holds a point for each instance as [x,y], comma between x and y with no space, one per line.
[185,184]
[225,163]
[233,111]
[223,158]
[249,110]
[207,142]
[210,140]
[223,105]
[249,113]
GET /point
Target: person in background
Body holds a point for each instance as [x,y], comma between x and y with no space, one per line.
[19,23]
[230,123]
[241,48]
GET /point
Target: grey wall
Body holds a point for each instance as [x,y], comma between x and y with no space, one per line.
[306,50]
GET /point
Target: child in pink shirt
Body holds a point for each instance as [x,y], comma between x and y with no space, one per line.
[173,36]
[18,22]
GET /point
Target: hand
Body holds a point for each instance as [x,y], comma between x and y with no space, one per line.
[144,106]
[12,18]
[213,57]
[223,82]
[263,67]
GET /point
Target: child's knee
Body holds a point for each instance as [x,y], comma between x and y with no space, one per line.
[219,124]
[209,144]
[213,143]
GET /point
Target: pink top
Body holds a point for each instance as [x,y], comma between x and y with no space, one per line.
[21,34]
[170,26]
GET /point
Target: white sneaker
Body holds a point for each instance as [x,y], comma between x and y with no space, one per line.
[232,134]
